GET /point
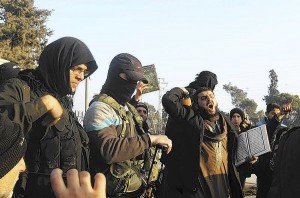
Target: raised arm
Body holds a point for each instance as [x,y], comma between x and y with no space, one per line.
[172,102]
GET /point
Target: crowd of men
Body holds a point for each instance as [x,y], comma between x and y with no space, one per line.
[46,152]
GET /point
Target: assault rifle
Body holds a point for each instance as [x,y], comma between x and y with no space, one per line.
[151,189]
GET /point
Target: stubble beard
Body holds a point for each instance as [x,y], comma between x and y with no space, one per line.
[206,115]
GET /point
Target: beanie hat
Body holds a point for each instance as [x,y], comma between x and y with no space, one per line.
[238,111]
[12,144]
[8,70]
[141,104]
[204,79]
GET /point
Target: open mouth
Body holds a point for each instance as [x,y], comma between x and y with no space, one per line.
[210,106]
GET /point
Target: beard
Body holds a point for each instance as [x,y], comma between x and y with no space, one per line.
[206,115]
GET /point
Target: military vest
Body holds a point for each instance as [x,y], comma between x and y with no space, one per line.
[124,177]
[64,145]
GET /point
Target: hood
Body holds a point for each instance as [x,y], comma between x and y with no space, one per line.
[56,60]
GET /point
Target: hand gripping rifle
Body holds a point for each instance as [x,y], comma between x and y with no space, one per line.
[151,187]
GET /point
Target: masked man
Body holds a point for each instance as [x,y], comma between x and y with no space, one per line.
[115,129]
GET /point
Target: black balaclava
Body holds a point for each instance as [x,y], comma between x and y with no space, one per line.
[121,90]
[56,60]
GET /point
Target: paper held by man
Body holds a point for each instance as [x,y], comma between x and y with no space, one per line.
[253,142]
[150,74]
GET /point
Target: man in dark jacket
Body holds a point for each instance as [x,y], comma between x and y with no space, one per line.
[285,183]
[55,137]
[201,163]
[274,116]
[242,124]
[115,129]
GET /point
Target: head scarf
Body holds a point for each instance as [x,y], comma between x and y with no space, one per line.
[56,60]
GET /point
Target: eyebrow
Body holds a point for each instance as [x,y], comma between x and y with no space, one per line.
[78,67]
[210,95]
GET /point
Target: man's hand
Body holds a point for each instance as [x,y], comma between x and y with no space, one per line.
[140,87]
[287,108]
[252,159]
[162,140]
[53,107]
[284,110]
[246,123]
[78,185]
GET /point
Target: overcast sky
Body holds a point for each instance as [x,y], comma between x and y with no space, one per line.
[239,40]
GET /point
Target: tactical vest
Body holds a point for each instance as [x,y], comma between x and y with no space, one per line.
[64,145]
[132,116]
[124,177]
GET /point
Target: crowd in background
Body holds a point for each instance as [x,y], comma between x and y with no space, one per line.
[46,152]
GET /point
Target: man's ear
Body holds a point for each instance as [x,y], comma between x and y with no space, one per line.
[266,113]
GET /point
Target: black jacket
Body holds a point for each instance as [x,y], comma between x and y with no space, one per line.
[64,145]
[285,183]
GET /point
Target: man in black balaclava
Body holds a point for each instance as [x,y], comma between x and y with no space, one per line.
[115,130]
[55,137]
[116,86]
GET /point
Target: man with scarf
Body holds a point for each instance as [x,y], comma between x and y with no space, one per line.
[173,127]
[201,163]
[114,127]
[55,137]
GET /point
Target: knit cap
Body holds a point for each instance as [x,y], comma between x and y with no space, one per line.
[12,144]
[8,70]
[238,111]
[141,104]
